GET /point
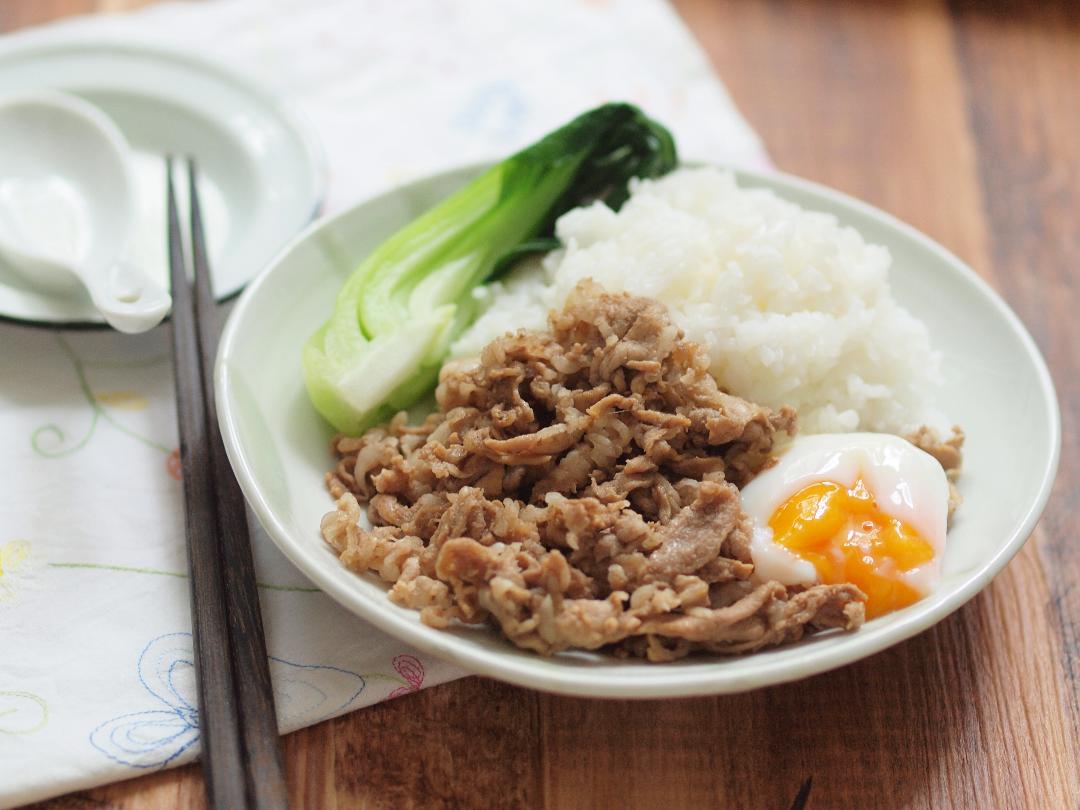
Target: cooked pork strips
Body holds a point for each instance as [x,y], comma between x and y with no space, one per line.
[578,489]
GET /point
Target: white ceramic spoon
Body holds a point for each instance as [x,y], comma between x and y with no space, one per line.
[67,207]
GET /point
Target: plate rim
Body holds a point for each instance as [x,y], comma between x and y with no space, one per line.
[36,42]
[666,682]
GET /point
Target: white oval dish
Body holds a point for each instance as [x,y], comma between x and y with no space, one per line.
[262,171]
[998,389]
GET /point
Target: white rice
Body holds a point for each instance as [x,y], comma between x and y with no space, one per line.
[793,308]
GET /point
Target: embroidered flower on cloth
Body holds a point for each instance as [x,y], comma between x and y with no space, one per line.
[15,558]
[169,730]
[411,669]
[22,712]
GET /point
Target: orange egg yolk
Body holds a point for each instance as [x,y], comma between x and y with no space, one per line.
[847,538]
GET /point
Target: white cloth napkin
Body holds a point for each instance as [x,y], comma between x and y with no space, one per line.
[95,646]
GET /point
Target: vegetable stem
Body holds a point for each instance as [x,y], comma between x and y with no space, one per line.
[397,314]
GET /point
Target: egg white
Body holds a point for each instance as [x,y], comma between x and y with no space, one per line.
[907,483]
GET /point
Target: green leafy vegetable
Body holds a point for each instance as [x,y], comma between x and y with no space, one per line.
[398,312]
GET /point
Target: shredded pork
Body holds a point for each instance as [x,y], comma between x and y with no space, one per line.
[948,453]
[578,488]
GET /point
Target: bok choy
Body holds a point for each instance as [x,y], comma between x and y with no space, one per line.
[398,312]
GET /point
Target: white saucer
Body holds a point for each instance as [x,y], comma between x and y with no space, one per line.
[263,174]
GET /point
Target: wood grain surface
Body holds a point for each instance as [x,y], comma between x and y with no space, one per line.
[962,118]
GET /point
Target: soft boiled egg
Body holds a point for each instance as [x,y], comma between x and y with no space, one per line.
[865,508]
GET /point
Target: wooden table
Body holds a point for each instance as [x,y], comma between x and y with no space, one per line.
[962,118]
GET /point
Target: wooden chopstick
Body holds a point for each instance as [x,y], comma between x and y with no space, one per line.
[241,760]
[259,731]
[219,731]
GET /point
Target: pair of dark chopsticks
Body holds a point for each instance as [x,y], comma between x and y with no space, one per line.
[238,727]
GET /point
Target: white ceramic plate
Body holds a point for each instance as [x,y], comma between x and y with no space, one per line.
[998,389]
[263,176]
